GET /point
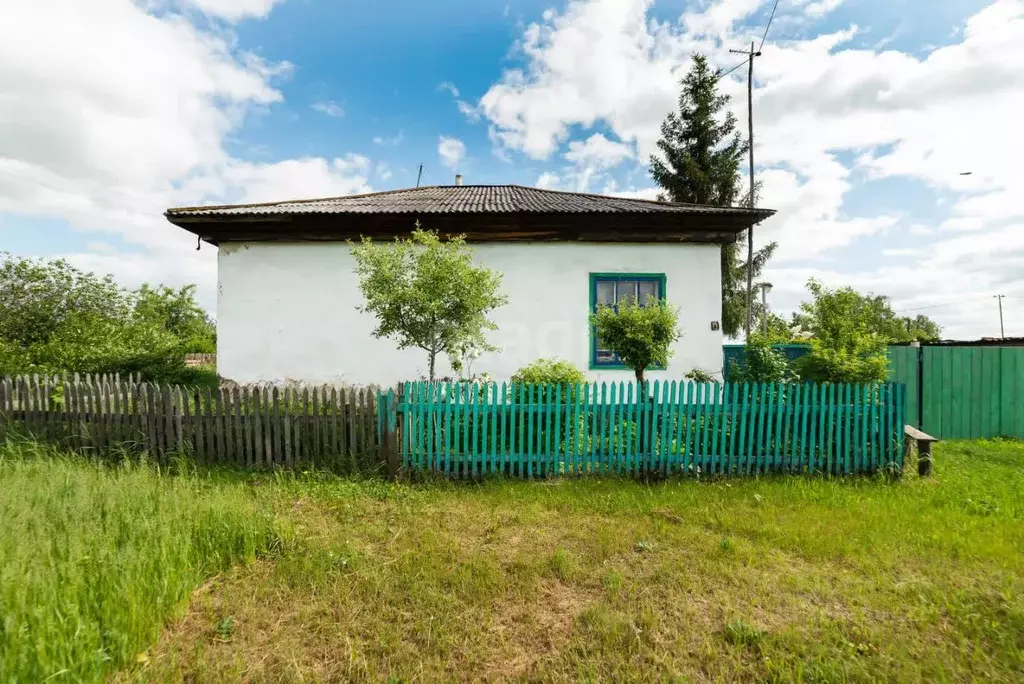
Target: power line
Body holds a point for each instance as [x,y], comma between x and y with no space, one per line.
[939,306]
[721,76]
[775,7]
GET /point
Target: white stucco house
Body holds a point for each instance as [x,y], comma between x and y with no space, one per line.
[287,290]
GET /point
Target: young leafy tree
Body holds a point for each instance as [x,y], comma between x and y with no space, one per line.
[875,311]
[39,296]
[642,336]
[427,293]
[177,312]
[845,346]
[702,153]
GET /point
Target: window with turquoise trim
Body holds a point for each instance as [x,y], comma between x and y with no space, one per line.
[611,289]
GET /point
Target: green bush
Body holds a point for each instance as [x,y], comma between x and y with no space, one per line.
[550,371]
[762,363]
[864,361]
[699,375]
[57,319]
[846,346]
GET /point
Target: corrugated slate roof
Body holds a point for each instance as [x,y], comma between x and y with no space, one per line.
[467,199]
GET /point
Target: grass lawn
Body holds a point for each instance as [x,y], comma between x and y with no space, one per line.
[743,579]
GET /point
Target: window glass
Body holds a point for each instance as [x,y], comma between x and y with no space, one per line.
[627,290]
[648,291]
[606,292]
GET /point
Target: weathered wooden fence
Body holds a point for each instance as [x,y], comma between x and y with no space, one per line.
[246,426]
[707,428]
[200,359]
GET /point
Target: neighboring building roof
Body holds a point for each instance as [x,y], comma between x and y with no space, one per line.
[483,213]
[467,199]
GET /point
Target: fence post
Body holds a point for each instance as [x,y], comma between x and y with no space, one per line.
[392,430]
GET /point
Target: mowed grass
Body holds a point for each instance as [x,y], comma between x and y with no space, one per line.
[777,579]
[94,559]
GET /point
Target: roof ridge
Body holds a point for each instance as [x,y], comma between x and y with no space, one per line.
[627,199]
[377,193]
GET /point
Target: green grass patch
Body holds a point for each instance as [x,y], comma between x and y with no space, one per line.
[95,559]
[599,579]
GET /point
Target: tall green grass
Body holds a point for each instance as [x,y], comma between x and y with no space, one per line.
[94,559]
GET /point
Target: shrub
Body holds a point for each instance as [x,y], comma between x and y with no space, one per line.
[762,363]
[863,361]
[846,346]
[699,375]
[57,319]
[550,371]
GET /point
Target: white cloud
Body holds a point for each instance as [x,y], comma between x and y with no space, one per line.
[598,151]
[452,151]
[548,181]
[821,7]
[234,10]
[599,60]
[329,108]
[594,155]
[392,141]
[467,110]
[450,87]
[106,134]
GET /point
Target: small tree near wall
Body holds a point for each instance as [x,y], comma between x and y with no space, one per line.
[427,293]
[641,336]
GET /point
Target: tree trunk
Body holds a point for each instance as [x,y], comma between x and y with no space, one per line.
[433,356]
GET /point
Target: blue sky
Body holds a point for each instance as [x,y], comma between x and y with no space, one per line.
[867,111]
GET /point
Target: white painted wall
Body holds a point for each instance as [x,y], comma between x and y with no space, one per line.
[286,311]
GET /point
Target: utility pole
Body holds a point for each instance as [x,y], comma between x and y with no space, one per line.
[765,289]
[419,176]
[750,129]
[1002,330]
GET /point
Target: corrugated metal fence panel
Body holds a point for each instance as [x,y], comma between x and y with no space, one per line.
[734,353]
[1011,392]
[903,368]
[973,392]
[963,392]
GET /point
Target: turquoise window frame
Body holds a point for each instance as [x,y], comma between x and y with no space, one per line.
[594,278]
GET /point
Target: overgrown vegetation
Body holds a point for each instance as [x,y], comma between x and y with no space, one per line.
[94,560]
[872,313]
[762,363]
[427,293]
[55,318]
[641,334]
[774,579]
[845,347]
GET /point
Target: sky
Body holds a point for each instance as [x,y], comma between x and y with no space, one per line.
[867,115]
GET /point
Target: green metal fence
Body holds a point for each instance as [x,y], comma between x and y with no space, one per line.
[953,392]
[972,392]
[530,430]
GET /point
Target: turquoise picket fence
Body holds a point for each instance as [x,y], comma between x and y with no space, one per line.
[527,430]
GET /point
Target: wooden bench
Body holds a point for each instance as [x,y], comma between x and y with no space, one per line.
[924,448]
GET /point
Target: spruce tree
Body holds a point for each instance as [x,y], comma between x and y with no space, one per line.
[702,153]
